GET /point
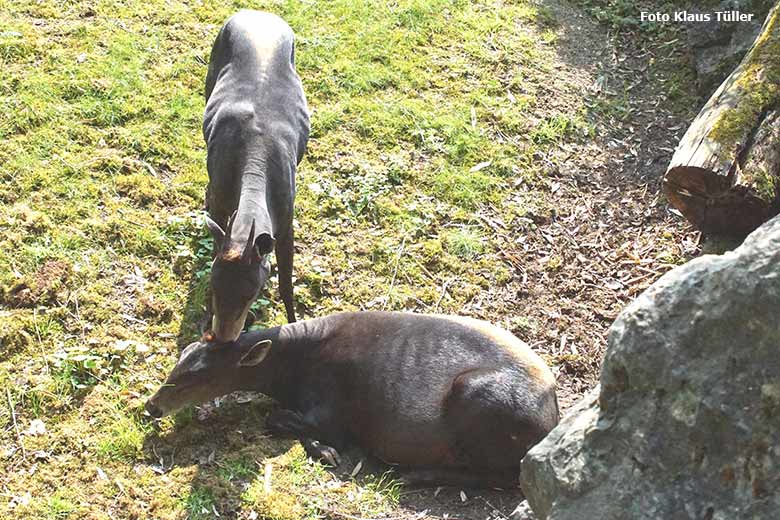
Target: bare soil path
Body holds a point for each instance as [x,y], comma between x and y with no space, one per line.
[607,234]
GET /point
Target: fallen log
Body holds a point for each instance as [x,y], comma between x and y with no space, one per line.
[724,176]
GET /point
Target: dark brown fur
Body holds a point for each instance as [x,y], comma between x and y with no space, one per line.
[451,400]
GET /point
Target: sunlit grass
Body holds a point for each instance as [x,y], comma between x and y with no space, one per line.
[423,114]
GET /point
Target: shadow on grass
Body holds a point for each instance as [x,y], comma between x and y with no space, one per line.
[223,446]
[224,450]
[195,307]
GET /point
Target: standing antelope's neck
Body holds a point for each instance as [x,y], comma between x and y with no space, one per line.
[252,207]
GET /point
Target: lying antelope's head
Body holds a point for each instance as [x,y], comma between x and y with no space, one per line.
[205,371]
[238,274]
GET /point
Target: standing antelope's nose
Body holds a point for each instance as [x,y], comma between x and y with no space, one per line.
[226,331]
[152,409]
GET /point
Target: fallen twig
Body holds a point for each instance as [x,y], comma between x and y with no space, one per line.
[16,426]
[40,343]
[395,273]
[494,507]
[267,479]
[441,296]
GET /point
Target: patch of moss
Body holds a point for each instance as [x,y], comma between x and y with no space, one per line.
[759,87]
[765,183]
[142,189]
[274,505]
[300,488]
[432,251]
[29,220]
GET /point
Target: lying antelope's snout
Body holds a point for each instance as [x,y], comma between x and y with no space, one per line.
[152,409]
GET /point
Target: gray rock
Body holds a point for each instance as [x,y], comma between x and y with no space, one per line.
[716,47]
[687,421]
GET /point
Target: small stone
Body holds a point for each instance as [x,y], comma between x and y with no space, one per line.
[37,427]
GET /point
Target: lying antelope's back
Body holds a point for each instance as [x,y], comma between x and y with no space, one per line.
[406,366]
[433,331]
[401,349]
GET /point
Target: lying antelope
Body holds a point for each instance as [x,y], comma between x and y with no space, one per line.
[450,400]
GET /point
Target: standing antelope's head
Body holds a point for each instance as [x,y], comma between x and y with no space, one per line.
[238,273]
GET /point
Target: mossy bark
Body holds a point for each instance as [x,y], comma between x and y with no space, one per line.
[725,175]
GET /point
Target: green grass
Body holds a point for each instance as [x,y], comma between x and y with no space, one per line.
[425,113]
[200,504]
[301,489]
[465,243]
[556,128]
[57,507]
[239,468]
[122,433]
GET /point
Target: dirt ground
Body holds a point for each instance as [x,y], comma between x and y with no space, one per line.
[609,224]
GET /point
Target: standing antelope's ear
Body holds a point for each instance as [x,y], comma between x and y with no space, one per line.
[216,232]
[256,354]
[264,243]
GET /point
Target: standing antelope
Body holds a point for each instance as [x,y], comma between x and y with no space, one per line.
[256,126]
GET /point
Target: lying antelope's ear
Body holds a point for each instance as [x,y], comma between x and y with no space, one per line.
[256,354]
[216,231]
[264,243]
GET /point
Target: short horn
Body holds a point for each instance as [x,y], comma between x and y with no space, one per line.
[229,229]
[250,244]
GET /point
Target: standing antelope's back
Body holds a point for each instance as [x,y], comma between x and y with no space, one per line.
[252,70]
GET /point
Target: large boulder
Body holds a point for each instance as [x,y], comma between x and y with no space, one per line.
[687,420]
